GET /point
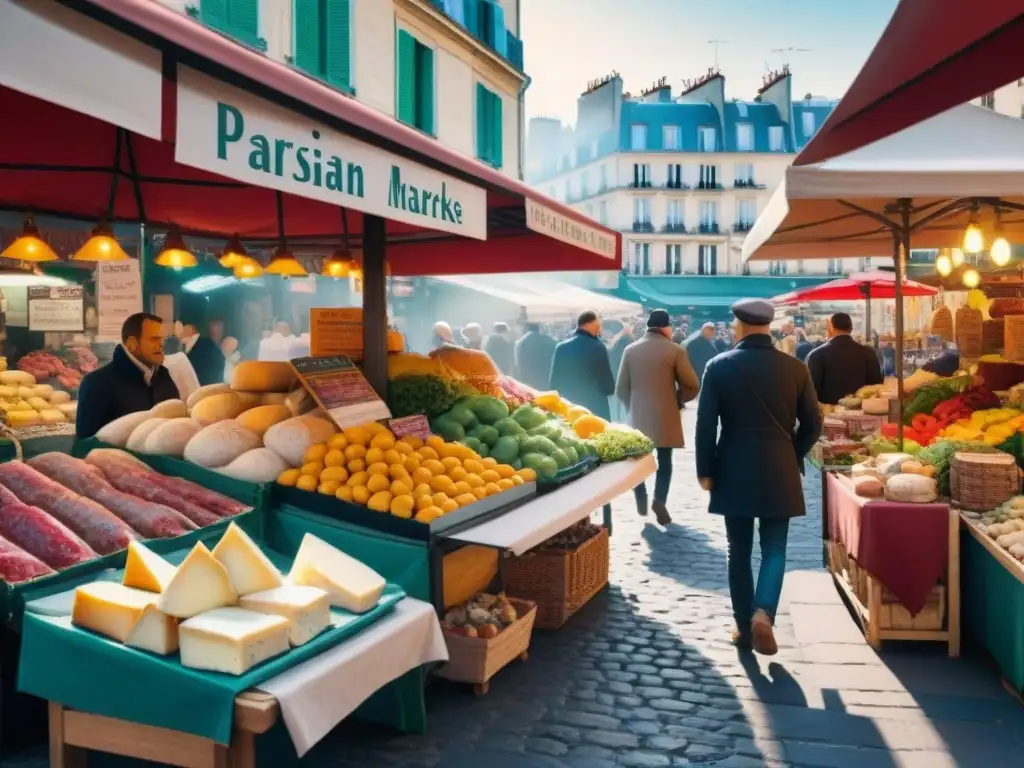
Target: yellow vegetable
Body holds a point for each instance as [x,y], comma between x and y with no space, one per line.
[572,415]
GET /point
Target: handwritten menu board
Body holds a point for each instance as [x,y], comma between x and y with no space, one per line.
[340,388]
[118,296]
[56,309]
[336,331]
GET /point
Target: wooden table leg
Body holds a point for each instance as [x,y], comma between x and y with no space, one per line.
[607,510]
[874,612]
[62,755]
[243,750]
[953,585]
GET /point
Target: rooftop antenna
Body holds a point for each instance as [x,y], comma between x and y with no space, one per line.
[716,42]
[782,51]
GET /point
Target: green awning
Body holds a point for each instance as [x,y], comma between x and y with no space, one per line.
[710,292]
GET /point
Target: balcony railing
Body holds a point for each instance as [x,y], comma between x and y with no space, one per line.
[742,226]
[643,226]
[640,185]
[747,184]
[677,227]
[708,187]
[708,229]
[676,185]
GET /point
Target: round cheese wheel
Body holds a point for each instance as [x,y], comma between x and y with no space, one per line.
[219,444]
[216,408]
[169,409]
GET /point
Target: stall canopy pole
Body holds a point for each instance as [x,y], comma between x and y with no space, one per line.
[375,304]
[901,246]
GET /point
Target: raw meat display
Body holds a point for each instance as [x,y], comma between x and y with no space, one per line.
[217,503]
[45,365]
[17,565]
[100,528]
[40,534]
[149,519]
[137,482]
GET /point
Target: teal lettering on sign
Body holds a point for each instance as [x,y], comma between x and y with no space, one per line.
[423,202]
[281,157]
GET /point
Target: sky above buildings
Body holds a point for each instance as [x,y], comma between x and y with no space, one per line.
[569,42]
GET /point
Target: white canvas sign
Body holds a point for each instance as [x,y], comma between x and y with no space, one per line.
[547,221]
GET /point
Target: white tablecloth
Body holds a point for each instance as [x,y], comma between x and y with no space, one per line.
[318,694]
[527,526]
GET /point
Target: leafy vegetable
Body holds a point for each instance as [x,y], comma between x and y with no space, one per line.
[940,455]
[618,443]
[927,397]
[423,394]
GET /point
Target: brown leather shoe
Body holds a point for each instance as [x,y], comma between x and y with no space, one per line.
[661,513]
[763,635]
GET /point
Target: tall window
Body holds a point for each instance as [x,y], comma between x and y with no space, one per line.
[594,148]
[864,265]
[707,260]
[746,214]
[808,123]
[744,137]
[638,137]
[776,139]
[642,210]
[743,174]
[835,266]
[708,177]
[674,219]
[777,268]
[706,140]
[641,175]
[237,18]
[415,83]
[674,259]
[989,100]
[322,40]
[672,137]
[602,212]
[641,259]
[488,126]
[489,24]
[708,217]
[585,184]
[675,176]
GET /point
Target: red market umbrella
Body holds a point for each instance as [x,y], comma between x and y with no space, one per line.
[933,55]
[862,285]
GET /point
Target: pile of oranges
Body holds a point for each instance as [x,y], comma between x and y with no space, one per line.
[407,477]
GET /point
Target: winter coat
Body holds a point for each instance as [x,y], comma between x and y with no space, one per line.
[841,366]
[655,378]
[533,353]
[207,361]
[582,374]
[500,350]
[699,350]
[769,416]
[117,389]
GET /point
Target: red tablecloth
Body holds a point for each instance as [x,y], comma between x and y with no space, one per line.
[904,546]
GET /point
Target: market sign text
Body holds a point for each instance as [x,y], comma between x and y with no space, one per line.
[541,218]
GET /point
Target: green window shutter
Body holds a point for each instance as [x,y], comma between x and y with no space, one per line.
[499,37]
[425,88]
[244,19]
[483,119]
[496,126]
[338,36]
[307,36]
[214,14]
[471,14]
[406,85]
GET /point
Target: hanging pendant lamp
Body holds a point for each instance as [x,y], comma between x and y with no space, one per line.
[175,253]
[101,246]
[29,245]
[234,253]
[283,263]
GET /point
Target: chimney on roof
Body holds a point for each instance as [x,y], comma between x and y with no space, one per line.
[709,88]
[777,89]
[658,91]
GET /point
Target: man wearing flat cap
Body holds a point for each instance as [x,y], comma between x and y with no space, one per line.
[655,379]
[765,402]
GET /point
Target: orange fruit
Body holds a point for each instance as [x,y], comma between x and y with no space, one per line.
[465,499]
[461,487]
[337,442]
[435,442]
[344,493]
[340,474]
[424,502]
[527,474]
[489,463]
[380,502]
[315,453]
[473,466]
[434,466]
[374,455]
[428,515]
[378,468]
[427,452]
[334,458]
[449,506]
[505,484]
[414,442]
[383,440]
[404,448]
[504,470]
[401,488]
[289,477]
[361,494]
[313,468]
[421,475]
[391,456]
[374,428]
[378,483]
[480,492]
[492,488]
[307,483]
[359,478]
[475,481]
[422,489]
[328,487]
[490,476]
[450,462]
[403,506]
[458,474]
[355,452]
[440,498]
[516,480]
[442,483]
[356,465]
[356,436]
[398,472]
[412,462]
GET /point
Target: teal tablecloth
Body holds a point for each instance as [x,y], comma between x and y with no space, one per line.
[992,603]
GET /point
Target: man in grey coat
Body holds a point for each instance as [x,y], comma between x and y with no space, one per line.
[655,379]
[765,402]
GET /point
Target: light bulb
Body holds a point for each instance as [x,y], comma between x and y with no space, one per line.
[974,240]
[957,256]
[1000,252]
[943,265]
[248,268]
[971,278]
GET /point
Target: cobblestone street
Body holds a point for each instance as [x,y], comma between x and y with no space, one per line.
[645,677]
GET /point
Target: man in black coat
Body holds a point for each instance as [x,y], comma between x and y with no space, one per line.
[841,366]
[499,348]
[533,353]
[769,416]
[803,346]
[205,355]
[700,348]
[134,380]
[580,370]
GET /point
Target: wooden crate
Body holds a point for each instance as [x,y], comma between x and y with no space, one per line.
[476,660]
[559,581]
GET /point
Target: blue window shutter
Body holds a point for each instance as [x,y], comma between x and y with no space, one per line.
[496,126]
[244,19]
[406,75]
[214,13]
[482,123]
[499,39]
[455,9]
[471,14]
[425,88]
[306,15]
[337,38]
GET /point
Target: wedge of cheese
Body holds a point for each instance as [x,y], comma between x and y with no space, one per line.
[248,568]
[349,583]
[199,584]
[154,631]
[231,640]
[307,608]
[109,608]
[145,569]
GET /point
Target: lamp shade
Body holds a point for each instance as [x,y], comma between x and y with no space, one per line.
[175,252]
[101,246]
[247,269]
[336,265]
[29,245]
[284,264]
[234,253]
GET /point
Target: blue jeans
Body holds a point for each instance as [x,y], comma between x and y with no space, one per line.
[662,479]
[745,598]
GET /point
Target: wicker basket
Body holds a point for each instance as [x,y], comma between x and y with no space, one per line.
[983,481]
[942,323]
[992,336]
[860,425]
[969,329]
[1013,338]
[476,660]
[559,581]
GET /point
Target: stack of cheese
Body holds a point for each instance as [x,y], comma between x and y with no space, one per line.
[226,610]
[24,403]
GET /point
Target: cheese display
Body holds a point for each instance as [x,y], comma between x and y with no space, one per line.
[350,584]
[144,569]
[204,392]
[137,439]
[109,608]
[261,376]
[221,407]
[248,569]
[199,584]
[219,444]
[154,631]
[169,409]
[307,608]
[232,640]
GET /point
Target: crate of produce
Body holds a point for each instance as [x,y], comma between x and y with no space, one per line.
[562,574]
[484,636]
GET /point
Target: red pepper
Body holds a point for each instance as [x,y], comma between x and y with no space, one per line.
[889,429]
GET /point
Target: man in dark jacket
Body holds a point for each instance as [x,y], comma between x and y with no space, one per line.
[499,348]
[700,348]
[533,353]
[134,380]
[205,355]
[580,370]
[769,416]
[803,346]
[841,366]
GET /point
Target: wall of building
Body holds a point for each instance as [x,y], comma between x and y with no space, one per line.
[1008,100]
